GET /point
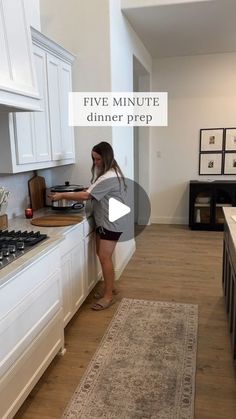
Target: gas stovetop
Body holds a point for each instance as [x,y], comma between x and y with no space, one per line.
[14,244]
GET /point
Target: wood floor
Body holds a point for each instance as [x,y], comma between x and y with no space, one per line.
[171,263]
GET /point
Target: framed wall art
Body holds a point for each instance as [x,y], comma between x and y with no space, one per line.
[230,139]
[211,139]
[230,164]
[210,164]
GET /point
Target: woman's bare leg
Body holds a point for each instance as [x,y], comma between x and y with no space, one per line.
[97,244]
[106,249]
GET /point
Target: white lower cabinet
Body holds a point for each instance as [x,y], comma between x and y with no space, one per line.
[79,267]
[91,262]
[35,306]
[73,272]
[31,328]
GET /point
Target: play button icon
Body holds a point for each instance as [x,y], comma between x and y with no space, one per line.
[119,205]
[117,210]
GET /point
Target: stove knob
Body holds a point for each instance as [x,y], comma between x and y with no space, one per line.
[5,252]
[20,245]
[12,248]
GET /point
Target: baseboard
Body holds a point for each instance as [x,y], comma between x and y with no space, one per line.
[169,220]
[119,268]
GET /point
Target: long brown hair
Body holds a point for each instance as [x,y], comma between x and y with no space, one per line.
[106,152]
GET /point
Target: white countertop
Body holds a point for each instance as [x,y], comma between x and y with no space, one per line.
[55,236]
[228,213]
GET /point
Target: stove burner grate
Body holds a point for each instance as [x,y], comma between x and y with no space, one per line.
[14,244]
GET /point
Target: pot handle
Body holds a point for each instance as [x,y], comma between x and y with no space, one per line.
[78,205]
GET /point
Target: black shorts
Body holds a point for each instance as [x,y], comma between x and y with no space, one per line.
[105,234]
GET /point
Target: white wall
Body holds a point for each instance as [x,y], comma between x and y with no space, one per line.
[124,44]
[104,43]
[83,28]
[202,94]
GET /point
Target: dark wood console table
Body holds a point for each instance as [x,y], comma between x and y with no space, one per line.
[206,202]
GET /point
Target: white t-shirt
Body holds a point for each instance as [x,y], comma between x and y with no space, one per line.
[105,187]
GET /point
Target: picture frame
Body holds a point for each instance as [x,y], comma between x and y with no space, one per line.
[211,139]
[230,139]
[210,164]
[230,163]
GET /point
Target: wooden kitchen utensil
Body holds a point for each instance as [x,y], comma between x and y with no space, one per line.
[57,220]
[3,221]
[37,189]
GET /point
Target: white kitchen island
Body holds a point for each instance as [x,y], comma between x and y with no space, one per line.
[229,273]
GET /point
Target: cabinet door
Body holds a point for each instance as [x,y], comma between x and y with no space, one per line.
[32,129]
[41,119]
[73,274]
[201,199]
[78,275]
[66,288]
[67,132]
[91,262]
[24,134]
[53,73]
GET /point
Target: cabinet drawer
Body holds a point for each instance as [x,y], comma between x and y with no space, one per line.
[15,290]
[23,375]
[72,238]
[23,323]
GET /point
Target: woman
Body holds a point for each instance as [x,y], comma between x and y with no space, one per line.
[107,182]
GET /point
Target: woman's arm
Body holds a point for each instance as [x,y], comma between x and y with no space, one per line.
[74,196]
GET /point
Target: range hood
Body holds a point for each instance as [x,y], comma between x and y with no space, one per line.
[15,101]
[18,85]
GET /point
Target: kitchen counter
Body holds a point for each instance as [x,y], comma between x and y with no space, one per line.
[228,213]
[55,235]
[229,273]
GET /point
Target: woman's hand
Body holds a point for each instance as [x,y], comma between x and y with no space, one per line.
[55,196]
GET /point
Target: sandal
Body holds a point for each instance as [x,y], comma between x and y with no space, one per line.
[100,293]
[102,304]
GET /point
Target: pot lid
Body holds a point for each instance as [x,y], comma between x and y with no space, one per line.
[67,188]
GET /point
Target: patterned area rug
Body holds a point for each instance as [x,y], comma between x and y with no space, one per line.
[144,367]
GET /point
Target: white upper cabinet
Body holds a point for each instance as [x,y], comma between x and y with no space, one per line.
[67,132]
[53,69]
[41,119]
[32,128]
[18,85]
[37,140]
[59,80]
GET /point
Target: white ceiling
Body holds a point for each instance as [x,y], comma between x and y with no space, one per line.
[201,27]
